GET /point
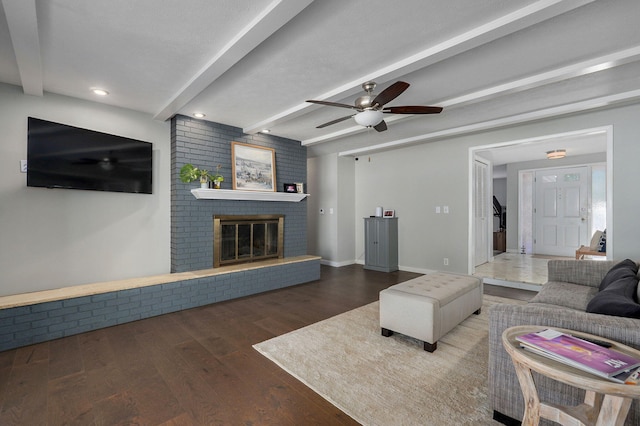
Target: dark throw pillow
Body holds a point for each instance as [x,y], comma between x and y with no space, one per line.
[616,300]
[626,268]
[618,292]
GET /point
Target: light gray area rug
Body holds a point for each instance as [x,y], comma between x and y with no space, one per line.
[391,380]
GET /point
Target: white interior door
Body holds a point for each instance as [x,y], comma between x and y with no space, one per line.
[561,210]
[480,208]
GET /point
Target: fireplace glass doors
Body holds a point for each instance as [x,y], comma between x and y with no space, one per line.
[240,239]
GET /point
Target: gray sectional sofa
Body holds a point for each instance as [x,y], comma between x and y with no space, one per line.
[561,303]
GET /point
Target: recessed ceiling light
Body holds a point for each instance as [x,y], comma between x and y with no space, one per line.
[100,92]
[265,131]
[199,115]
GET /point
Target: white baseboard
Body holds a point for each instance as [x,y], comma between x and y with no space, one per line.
[417,270]
[361,262]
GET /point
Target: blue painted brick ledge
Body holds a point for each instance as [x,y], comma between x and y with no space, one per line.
[40,322]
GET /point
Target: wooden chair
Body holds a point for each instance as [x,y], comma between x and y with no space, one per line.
[592,249]
[586,251]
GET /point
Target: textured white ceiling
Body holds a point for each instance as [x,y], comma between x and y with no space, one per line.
[253,63]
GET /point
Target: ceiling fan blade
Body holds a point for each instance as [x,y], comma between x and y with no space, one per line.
[381,126]
[413,109]
[335,104]
[390,93]
[337,120]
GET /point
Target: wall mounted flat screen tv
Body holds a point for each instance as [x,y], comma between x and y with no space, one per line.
[61,156]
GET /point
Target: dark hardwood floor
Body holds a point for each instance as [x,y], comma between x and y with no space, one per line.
[191,367]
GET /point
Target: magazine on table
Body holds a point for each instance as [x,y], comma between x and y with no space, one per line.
[579,353]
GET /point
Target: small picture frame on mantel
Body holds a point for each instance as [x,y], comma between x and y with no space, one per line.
[387,214]
[300,187]
[290,187]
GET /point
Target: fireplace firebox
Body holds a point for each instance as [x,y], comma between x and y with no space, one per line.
[247,238]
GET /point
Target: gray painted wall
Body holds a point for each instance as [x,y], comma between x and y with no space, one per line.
[331,185]
[323,175]
[51,238]
[437,174]
[346,210]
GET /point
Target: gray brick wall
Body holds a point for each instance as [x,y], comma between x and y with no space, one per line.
[26,325]
[207,144]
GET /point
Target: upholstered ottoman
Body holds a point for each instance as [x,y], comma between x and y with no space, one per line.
[428,307]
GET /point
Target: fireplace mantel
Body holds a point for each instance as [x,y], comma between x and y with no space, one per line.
[230,194]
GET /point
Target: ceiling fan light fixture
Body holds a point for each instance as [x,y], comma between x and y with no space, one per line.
[368,118]
[556,154]
[372,107]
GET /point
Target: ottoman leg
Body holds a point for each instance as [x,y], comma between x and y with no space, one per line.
[386,332]
[430,347]
[478,311]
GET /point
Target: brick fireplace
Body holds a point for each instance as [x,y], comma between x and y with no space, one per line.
[207,144]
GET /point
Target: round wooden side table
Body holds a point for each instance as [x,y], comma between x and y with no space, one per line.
[605,402]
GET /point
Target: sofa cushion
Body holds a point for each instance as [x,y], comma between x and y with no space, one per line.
[625,269]
[617,299]
[602,245]
[566,295]
[595,241]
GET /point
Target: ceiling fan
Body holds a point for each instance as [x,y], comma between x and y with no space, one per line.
[371,107]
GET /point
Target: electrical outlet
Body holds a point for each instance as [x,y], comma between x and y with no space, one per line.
[445,209]
[446,261]
[23,166]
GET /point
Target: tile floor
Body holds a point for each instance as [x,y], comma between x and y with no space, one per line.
[516,268]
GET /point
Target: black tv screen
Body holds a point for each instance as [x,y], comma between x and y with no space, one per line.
[61,156]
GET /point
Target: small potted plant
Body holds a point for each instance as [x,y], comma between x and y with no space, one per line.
[217,178]
[190,173]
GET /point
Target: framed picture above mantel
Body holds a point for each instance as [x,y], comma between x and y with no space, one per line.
[254,167]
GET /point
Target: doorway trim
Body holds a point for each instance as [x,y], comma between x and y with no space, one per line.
[474,150]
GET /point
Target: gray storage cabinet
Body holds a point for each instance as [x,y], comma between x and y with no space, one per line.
[381,244]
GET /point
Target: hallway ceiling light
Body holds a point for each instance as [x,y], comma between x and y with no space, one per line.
[556,154]
[99,92]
